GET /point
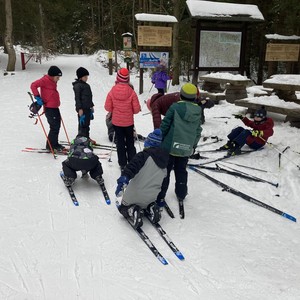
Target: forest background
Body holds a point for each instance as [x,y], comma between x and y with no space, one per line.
[83,27]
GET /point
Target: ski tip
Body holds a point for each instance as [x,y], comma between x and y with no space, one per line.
[289,217]
[179,255]
[163,260]
[76,203]
[108,202]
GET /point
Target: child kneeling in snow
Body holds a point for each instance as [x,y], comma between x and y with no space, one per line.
[81,158]
[142,177]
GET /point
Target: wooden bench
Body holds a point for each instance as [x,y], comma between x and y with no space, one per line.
[273,104]
[235,85]
[284,85]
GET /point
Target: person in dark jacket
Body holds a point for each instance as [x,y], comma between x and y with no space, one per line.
[81,158]
[83,101]
[262,129]
[159,104]
[143,177]
[181,130]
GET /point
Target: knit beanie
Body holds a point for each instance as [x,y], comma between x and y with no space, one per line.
[122,75]
[54,71]
[261,113]
[81,72]
[153,139]
[188,92]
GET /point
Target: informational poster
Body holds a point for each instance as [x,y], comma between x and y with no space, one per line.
[282,52]
[127,42]
[153,59]
[154,36]
[220,49]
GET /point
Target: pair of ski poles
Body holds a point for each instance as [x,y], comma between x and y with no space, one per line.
[44,130]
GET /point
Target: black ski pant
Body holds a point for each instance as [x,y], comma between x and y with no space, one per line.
[73,164]
[181,176]
[54,120]
[84,129]
[125,144]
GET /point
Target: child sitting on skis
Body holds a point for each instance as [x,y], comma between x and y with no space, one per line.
[142,177]
[81,158]
[262,129]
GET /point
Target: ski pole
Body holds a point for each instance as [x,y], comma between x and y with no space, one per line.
[145,100]
[137,138]
[254,177]
[279,156]
[48,141]
[63,124]
[270,144]
[112,144]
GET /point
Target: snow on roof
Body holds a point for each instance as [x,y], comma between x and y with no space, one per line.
[127,33]
[276,36]
[155,18]
[221,10]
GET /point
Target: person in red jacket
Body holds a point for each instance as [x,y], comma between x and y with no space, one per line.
[122,101]
[45,92]
[262,129]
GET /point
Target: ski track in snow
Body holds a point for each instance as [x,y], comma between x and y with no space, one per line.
[51,249]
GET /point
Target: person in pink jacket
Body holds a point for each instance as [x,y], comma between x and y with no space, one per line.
[45,92]
[123,103]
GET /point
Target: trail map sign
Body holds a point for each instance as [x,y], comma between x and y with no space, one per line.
[220,49]
[154,36]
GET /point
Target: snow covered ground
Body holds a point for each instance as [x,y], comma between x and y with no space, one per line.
[50,249]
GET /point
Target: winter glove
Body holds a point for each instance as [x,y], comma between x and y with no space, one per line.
[39,100]
[82,120]
[238,116]
[257,133]
[122,183]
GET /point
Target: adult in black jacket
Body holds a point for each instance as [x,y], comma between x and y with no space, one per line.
[83,101]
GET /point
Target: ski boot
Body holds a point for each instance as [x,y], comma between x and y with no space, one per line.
[153,213]
[135,214]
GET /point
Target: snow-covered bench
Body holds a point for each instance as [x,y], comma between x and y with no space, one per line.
[284,85]
[273,104]
[235,84]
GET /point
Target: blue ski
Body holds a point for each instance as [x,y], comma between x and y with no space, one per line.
[70,190]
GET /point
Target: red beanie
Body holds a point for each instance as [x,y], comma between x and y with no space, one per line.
[123,75]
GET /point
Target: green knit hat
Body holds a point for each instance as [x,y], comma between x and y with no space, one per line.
[188,92]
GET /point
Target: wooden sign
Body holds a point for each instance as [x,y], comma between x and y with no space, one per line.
[155,36]
[282,52]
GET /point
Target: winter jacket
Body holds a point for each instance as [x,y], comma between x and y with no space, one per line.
[83,95]
[181,128]
[266,127]
[146,172]
[48,91]
[160,104]
[81,150]
[160,78]
[123,103]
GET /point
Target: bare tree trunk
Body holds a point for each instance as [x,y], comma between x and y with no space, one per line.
[8,39]
[44,42]
[114,37]
[175,46]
